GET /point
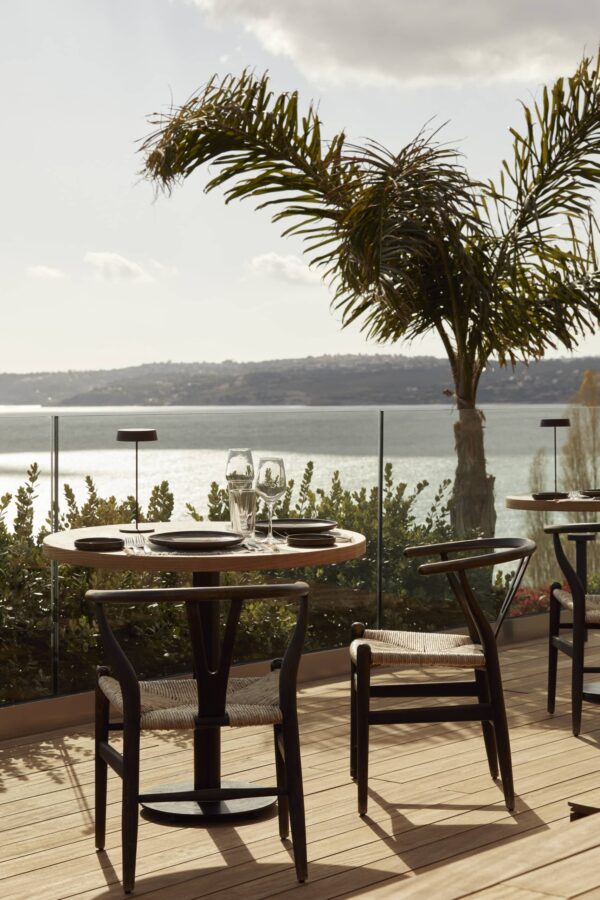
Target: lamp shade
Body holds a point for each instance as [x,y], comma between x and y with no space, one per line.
[555,423]
[137,434]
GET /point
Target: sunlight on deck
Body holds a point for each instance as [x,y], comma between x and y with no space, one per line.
[437,826]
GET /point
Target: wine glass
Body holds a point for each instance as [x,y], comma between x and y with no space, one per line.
[270,485]
[239,470]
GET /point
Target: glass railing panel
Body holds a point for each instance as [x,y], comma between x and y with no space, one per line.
[26,657]
[190,456]
[418,470]
[578,470]
[519,457]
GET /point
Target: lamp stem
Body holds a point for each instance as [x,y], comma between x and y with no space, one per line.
[137,522]
[555,478]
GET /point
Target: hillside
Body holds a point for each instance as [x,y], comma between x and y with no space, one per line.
[326,380]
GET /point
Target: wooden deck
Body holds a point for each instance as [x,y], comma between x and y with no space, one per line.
[437,826]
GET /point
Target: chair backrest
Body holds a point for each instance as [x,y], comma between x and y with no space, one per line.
[580,532]
[211,662]
[497,551]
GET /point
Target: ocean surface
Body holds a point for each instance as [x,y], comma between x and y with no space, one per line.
[192,448]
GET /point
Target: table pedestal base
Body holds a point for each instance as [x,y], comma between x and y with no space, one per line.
[591,691]
[591,694]
[244,808]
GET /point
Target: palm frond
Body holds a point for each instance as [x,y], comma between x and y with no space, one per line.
[408,242]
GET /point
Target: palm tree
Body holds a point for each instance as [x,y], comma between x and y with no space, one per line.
[408,241]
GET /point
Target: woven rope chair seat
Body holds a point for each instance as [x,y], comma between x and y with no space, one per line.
[173,703]
[592,605]
[415,648]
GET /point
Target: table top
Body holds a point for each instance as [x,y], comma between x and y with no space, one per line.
[61,548]
[526,501]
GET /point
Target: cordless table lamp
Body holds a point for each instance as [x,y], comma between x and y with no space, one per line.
[137,435]
[555,423]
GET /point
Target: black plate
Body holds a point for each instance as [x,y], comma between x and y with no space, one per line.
[311,540]
[298,526]
[100,544]
[550,495]
[593,494]
[202,541]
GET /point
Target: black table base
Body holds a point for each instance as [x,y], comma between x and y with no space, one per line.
[204,813]
[204,629]
[591,691]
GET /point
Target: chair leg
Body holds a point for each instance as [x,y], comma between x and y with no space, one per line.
[282,801]
[363,684]
[352,721]
[577,664]
[489,735]
[130,812]
[101,768]
[501,732]
[293,769]
[357,631]
[554,631]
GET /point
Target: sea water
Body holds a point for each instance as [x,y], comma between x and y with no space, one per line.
[192,448]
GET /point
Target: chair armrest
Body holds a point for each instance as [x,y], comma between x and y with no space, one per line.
[511,554]
[449,547]
[504,550]
[199,594]
[573,528]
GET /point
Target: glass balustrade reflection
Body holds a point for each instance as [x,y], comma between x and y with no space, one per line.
[26,612]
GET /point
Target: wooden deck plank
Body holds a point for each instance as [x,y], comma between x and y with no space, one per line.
[433,810]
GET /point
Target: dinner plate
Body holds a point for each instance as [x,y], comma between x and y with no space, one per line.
[297,526]
[201,541]
[592,494]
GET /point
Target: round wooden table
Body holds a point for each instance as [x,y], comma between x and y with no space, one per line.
[205,569]
[526,501]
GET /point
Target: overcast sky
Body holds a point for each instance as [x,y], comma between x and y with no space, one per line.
[97,273]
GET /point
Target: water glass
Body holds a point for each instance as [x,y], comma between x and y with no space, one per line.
[239,470]
[242,510]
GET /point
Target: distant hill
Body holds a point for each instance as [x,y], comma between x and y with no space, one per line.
[323,380]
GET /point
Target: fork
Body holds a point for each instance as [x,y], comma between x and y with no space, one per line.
[134,540]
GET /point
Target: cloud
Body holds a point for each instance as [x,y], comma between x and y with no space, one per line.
[285,268]
[112,267]
[47,273]
[413,43]
[161,269]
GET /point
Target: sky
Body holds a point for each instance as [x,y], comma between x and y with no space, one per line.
[98,272]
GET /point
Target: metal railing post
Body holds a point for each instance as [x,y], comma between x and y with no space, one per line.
[379,618]
[54,584]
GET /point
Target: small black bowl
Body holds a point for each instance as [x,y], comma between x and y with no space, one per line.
[100,544]
[311,540]
[550,495]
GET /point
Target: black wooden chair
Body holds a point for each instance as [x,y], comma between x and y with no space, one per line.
[585,613]
[209,700]
[377,648]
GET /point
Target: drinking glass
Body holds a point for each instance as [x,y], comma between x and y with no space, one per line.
[239,470]
[270,485]
[242,510]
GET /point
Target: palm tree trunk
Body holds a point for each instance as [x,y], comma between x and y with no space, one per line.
[472,508]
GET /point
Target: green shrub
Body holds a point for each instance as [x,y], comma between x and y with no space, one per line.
[156,638]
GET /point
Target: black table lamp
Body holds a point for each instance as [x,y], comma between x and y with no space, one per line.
[555,423]
[137,435]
